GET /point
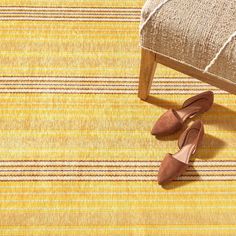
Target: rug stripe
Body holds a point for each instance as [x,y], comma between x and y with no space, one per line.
[65,14]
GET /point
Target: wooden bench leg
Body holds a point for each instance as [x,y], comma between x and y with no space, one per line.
[147,71]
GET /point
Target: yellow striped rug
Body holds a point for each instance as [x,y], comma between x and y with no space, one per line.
[77,157]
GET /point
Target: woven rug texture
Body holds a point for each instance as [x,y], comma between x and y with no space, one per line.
[76,155]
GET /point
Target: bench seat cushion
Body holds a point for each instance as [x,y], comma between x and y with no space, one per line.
[192,32]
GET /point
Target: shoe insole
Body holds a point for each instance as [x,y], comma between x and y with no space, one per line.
[185,152]
[191,109]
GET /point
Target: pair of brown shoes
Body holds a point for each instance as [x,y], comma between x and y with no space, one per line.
[173,165]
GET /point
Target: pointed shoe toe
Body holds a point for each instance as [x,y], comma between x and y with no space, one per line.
[167,124]
[170,169]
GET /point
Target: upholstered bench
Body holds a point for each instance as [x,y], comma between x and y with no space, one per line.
[194,37]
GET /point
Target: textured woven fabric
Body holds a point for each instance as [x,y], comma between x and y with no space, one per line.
[192,32]
[77,157]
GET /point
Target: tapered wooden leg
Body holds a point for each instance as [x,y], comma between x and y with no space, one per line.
[147,71]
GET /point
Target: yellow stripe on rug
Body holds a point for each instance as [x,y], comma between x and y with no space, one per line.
[116,208]
[45,48]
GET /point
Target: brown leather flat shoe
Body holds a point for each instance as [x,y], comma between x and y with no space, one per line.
[172,120]
[174,165]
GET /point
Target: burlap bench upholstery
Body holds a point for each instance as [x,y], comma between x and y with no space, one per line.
[198,34]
